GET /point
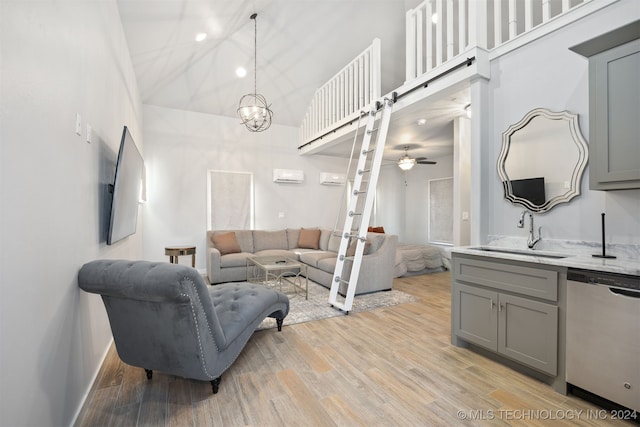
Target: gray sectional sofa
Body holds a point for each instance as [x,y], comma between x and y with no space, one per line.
[225,265]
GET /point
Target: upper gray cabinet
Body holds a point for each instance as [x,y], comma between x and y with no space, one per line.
[542,159]
[614,108]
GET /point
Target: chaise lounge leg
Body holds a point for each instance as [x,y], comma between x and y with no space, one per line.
[149,373]
[215,384]
[279,323]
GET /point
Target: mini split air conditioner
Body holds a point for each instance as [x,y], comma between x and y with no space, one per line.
[330,178]
[288,176]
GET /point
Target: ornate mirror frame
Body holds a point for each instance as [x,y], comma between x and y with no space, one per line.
[557,134]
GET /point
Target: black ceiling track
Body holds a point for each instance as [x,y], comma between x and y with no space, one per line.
[396,96]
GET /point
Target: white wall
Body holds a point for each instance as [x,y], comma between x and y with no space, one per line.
[461,181]
[402,204]
[181,146]
[545,73]
[58,58]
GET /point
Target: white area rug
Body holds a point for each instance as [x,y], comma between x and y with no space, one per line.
[317,306]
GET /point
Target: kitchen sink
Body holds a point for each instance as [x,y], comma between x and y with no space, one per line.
[531,253]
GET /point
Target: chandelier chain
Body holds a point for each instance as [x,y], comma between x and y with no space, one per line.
[255,52]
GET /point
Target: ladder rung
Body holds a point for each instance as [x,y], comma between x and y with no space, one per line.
[365,152]
[352,213]
[338,279]
[363,171]
[348,236]
[356,192]
[372,130]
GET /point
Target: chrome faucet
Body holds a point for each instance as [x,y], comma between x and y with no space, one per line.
[532,240]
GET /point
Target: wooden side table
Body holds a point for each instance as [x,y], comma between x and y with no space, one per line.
[175,251]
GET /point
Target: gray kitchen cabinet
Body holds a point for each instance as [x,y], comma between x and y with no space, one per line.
[511,309]
[519,328]
[528,332]
[614,108]
[476,319]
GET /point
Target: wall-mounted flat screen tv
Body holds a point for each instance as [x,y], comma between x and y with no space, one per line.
[531,189]
[126,190]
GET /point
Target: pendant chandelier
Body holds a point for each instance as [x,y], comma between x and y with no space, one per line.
[253,108]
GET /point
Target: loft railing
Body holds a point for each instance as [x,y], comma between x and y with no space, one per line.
[458,27]
[345,94]
[440,30]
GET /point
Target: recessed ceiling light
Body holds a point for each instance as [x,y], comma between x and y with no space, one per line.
[241,72]
[422,122]
[201,36]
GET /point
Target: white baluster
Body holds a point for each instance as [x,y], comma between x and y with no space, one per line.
[478,23]
[419,52]
[546,10]
[528,15]
[376,78]
[316,128]
[360,82]
[312,120]
[410,47]
[429,35]
[340,100]
[449,29]
[513,19]
[439,33]
[462,26]
[327,103]
[367,77]
[334,101]
[497,23]
[349,93]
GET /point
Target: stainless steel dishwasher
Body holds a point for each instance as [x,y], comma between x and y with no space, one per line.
[603,335]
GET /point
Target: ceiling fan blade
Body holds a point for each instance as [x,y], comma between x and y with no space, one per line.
[419,159]
[426,162]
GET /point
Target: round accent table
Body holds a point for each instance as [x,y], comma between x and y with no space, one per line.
[175,251]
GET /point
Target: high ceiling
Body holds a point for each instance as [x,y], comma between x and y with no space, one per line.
[301,45]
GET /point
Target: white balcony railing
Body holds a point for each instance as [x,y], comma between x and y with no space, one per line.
[440,30]
[437,31]
[345,94]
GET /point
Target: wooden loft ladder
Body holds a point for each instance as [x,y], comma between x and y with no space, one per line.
[360,205]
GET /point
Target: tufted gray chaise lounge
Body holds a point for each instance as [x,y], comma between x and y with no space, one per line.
[163,317]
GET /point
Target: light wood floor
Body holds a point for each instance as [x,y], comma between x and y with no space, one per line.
[392,366]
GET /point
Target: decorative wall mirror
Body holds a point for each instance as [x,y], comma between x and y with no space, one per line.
[542,159]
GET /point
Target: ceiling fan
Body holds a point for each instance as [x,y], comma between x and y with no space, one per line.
[406,162]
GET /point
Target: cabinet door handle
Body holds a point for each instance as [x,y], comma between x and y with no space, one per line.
[500,306]
[492,303]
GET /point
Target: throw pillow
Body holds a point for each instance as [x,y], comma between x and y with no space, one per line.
[226,243]
[309,239]
[351,250]
[376,229]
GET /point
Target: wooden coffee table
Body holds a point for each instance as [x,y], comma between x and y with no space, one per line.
[284,273]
